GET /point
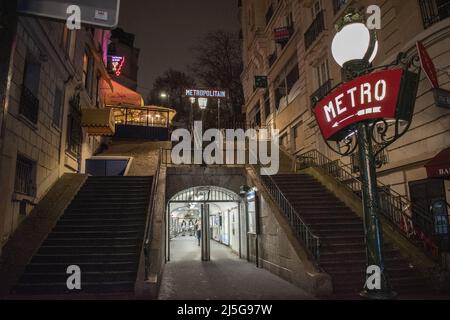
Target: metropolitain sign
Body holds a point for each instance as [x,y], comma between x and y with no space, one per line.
[206,93]
[370,97]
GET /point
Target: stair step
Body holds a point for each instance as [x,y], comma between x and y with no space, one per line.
[97,198]
[92,241]
[125,221]
[93,234]
[338,257]
[61,288]
[88,249]
[97,277]
[99,228]
[105,211]
[85,267]
[77,259]
[99,206]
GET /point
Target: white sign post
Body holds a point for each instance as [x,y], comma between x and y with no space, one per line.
[100,13]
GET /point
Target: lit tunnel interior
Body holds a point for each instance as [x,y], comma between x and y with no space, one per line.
[222,209]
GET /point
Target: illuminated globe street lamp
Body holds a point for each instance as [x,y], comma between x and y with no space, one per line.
[354,48]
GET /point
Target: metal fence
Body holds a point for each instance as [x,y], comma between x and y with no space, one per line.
[412,221]
[434,11]
[302,232]
[316,28]
[29,105]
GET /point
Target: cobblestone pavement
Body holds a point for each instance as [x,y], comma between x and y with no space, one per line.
[225,277]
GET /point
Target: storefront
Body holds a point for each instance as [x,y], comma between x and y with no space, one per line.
[433,193]
[132,118]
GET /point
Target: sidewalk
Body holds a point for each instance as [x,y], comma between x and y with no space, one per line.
[225,277]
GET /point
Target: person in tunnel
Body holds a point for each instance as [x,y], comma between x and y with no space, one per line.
[198,232]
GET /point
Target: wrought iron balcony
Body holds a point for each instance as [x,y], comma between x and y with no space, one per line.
[272,58]
[321,93]
[315,29]
[434,11]
[29,105]
[269,13]
[338,4]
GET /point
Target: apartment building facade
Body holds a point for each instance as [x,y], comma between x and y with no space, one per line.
[289,41]
[55,76]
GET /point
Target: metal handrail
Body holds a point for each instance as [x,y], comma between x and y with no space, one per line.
[149,222]
[394,207]
[301,230]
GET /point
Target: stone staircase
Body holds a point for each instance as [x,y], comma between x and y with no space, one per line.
[102,232]
[341,233]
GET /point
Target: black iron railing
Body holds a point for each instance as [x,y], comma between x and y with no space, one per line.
[269,13]
[29,105]
[25,182]
[315,29]
[272,58]
[149,222]
[321,93]
[397,209]
[338,5]
[301,230]
[434,11]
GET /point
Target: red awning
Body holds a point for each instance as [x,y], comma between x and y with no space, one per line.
[439,166]
[121,96]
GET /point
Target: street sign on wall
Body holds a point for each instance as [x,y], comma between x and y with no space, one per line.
[428,65]
[206,93]
[261,82]
[373,96]
[101,13]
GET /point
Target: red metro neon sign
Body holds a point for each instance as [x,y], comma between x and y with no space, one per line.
[370,97]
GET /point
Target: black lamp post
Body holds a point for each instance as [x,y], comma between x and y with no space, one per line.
[354,48]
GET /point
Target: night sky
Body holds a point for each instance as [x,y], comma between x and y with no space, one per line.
[166,30]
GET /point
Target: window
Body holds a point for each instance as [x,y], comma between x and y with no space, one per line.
[287,85]
[74,132]
[29,102]
[316,8]
[284,141]
[97,91]
[297,135]
[423,195]
[252,213]
[58,106]
[25,180]
[267,110]
[434,11]
[321,72]
[338,4]
[317,26]
[88,66]
[292,78]
[258,118]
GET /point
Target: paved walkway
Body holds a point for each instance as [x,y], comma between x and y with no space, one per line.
[225,277]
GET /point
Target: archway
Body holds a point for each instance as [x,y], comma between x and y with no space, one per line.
[201,215]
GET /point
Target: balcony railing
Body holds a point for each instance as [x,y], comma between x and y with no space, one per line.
[338,5]
[434,11]
[321,93]
[269,14]
[29,105]
[315,29]
[272,58]
[25,182]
